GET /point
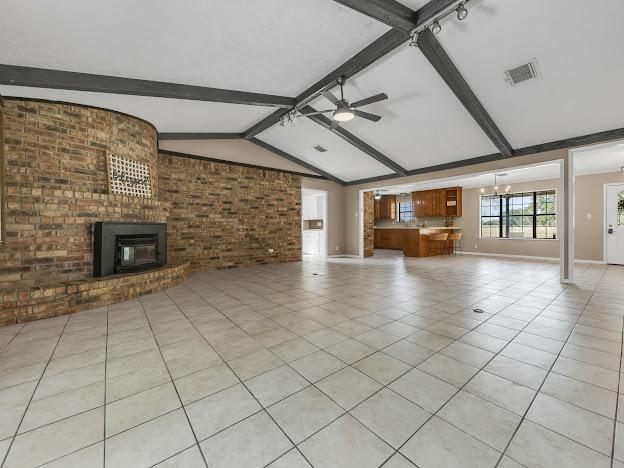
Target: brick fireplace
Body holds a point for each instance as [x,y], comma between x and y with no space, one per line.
[218,215]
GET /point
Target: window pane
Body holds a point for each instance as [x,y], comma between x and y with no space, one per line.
[485,206]
[495,206]
[489,227]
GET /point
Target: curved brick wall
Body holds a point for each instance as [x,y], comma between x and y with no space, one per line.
[56,186]
[52,145]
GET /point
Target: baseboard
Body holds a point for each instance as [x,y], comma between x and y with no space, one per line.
[343,256]
[530,257]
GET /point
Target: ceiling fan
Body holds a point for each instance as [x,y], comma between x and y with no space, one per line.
[345,111]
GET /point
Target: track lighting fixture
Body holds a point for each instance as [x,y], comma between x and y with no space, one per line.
[462,13]
[436,27]
[377,195]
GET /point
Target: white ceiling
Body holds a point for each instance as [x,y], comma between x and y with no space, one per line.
[167,115]
[269,46]
[423,123]
[603,158]
[341,159]
[578,48]
[241,151]
[277,47]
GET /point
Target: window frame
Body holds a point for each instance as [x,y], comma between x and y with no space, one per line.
[411,211]
[504,215]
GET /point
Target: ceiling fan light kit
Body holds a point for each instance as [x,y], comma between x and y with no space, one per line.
[345,111]
[343,114]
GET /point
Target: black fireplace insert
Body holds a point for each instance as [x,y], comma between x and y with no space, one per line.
[128,247]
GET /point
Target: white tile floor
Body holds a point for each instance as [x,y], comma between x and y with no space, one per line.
[333,363]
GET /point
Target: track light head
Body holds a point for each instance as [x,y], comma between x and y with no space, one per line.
[414,41]
[462,13]
[435,27]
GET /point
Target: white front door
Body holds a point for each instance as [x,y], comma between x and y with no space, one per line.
[615,224]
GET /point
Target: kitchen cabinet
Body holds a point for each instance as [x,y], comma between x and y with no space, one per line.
[389,239]
[386,208]
[312,207]
[437,203]
[312,242]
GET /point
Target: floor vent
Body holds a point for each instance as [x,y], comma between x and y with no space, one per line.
[525,72]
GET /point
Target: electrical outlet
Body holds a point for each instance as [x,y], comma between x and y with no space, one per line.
[336,248]
[476,246]
[589,216]
[270,251]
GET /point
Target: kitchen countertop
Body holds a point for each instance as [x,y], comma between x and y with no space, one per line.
[421,228]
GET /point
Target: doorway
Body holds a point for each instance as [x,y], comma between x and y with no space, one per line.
[614,224]
[314,222]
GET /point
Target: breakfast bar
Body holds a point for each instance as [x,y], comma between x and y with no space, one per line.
[413,241]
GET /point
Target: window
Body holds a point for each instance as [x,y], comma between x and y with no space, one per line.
[520,215]
[405,211]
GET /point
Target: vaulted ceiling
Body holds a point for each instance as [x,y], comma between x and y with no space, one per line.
[248,63]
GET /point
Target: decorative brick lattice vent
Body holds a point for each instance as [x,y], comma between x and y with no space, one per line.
[129,177]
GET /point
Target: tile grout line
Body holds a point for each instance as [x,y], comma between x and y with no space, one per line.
[544,381]
[172,383]
[6,456]
[105,385]
[617,399]
[347,337]
[381,350]
[262,408]
[480,369]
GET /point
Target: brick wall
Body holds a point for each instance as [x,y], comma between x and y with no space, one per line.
[219,215]
[223,215]
[56,184]
[369,223]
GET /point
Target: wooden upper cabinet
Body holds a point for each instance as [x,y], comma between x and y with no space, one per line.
[387,207]
[437,203]
[453,201]
[418,204]
[377,209]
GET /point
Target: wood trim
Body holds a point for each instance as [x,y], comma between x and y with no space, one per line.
[355,141]
[370,54]
[235,163]
[439,59]
[575,142]
[13,75]
[290,157]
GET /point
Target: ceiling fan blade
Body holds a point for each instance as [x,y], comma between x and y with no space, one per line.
[334,124]
[370,100]
[317,112]
[367,115]
[331,98]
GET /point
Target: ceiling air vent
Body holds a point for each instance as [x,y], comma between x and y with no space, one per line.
[525,72]
[320,149]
